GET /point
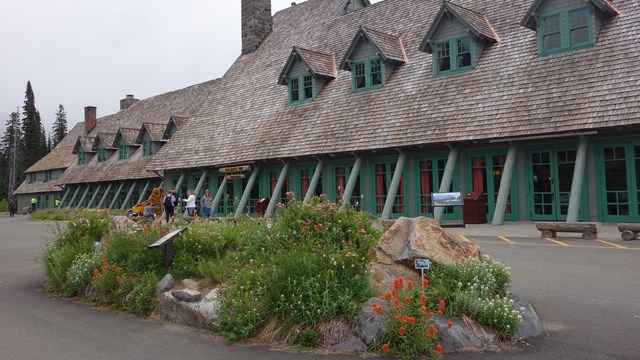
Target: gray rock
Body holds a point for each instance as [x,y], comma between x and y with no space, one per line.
[165,284]
[203,314]
[464,334]
[187,295]
[531,326]
[353,344]
[372,326]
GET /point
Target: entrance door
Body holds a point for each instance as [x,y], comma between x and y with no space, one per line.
[619,170]
[429,172]
[485,176]
[551,177]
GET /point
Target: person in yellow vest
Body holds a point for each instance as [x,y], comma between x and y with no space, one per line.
[34,201]
[56,203]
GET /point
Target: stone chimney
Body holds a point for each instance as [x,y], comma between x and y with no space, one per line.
[89,119]
[126,102]
[257,23]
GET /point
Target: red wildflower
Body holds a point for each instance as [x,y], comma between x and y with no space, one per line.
[147,228]
[317,227]
[409,285]
[105,266]
[393,292]
[377,309]
[427,336]
[425,283]
[423,300]
[440,312]
[432,329]
[402,330]
[449,324]
[441,305]
[439,349]
[412,320]
[396,304]
[118,278]
[407,300]
[385,348]
[163,232]
[304,228]
[398,283]
[104,257]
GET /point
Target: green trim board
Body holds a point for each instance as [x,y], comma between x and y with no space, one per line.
[565,31]
[453,56]
[433,165]
[367,74]
[491,163]
[618,170]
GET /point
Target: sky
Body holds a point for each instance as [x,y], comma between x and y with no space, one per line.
[81,53]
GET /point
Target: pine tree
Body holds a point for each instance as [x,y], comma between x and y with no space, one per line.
[11,153]
[34,147]
[59,126]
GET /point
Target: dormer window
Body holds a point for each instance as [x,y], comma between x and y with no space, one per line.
[305,73]
[300,89]
[371,58]
[102,154]
[82,157]
[147,147]
[456,38]
[567,30]
[454,55]
[122,151]
[367,75]
[562,26]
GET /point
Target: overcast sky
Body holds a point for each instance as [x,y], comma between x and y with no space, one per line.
[79,53]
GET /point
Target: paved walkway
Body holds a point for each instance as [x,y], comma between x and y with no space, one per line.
[609,231]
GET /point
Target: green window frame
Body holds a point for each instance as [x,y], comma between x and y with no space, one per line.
[47,176]
[453,56]
[122,151]
[32,177]
[367,74]
[382,175]
[565,31]
[102,154]
[301,89]
[147,148]
[82,157]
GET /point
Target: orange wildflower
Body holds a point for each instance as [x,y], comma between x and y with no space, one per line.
[432,330]
[118,278]
[385,348]
[423,300]
[396,304]
[427,336]
[439,349]
[425,283]
[402,330]
[441,305]
[407,300]
[409,285]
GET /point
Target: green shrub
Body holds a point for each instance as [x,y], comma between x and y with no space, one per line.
[4,205]
[143,299]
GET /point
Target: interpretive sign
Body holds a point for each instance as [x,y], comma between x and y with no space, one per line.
[422,263]
[234,169]
[446,199]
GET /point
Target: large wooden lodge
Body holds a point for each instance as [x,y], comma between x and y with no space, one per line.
[530,105]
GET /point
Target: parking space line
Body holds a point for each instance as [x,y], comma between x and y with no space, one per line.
[503,238]
[464,238]
[557,242]
[612,244]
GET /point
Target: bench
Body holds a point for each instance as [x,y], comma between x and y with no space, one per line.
[167,242]
[589,230]
[629,231]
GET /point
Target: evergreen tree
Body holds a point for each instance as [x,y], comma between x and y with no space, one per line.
[33,137]
[11,154]
[59,126]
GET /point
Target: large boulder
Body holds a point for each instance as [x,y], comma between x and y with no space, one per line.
[464,334]
[187,306]
[122,224]
[423,238]
[530,325]
[381,276]
[372,325]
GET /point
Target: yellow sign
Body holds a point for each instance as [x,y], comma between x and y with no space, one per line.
[234,169]
[235,176]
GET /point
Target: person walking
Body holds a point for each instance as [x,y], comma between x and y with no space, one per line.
[169,204]
[206,204]
[191,203]
[12,208]
[34,202]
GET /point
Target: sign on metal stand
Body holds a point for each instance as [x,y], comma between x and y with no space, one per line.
[422,264]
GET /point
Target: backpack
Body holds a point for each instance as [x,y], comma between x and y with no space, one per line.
[167,201]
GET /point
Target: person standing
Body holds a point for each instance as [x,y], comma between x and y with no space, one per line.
[12,208]
[206,204]
[191,203]
[34,202]
[56,203]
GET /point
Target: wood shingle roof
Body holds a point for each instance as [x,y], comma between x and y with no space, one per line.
[512,92]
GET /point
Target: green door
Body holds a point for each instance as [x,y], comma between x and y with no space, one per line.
[618,187]
[551,174]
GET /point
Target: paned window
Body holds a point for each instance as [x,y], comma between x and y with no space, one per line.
[300,94]
[368,75]
[122,151]
[81,157]
[147,148]
[32,178]
[102,154]
[564,31]
[47,176]
[453,55]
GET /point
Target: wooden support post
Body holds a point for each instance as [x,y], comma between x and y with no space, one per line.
[277,190]
[393,187]
[445,183]
[314,182]
[505,186]
[351,183]
[578,179]
[246,193]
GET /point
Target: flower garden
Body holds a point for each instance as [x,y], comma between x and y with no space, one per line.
[305,267]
